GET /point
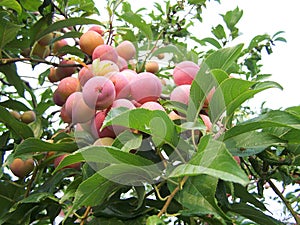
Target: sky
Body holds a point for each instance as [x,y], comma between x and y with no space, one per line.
[259,17]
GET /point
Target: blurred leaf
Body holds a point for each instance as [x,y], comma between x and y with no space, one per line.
[253,214]
[209,40]
[154,220]
[106,221]
[198,197]
[8,30]
[12,4]
[212,158]
[257,39]
[14,105]
[252,143]
[16,126]
[127,141]
[37,145]
[10,72]
[219,32]
[275,118]
[169,49]
[231,18]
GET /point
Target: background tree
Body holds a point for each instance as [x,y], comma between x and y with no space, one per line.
[135,120]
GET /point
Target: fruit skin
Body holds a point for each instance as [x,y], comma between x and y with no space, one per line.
[15,114]
[101,68]
[122,63]
[89,41]
[21,168]
[209,97]
[85,73]
[77,109]
[98,29]
[52,77]
[66,87]
[206,122]
[152,67]
[185,72]
[58,159]
[104,141]
[40,51]
[45,40]
[145,87]
[99,92]
[152,106]
[126,50]
[58,45]
[64,115]
[121,84]
[65,71]
[181,94]
[28,117]
[105,52]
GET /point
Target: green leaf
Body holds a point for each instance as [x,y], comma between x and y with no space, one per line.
[198,197]
[12,4]
[153,122]
[252,143]
[66,23]
[154,220]
[209,40]
[10,72]
[8,31]
[106,221]
[254,214]
[275,118]
[169,49]
[212,158]
[219,32]
[16,126]
[137,21]
[231,18]
[36,145]
[14,105]
[127,141]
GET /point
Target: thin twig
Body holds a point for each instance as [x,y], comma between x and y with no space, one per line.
[85,215]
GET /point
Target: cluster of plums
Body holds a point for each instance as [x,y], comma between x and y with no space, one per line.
[86,96]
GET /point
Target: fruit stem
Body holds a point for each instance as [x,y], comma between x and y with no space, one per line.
[85,215]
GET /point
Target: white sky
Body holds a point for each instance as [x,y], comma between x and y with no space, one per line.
[260,17]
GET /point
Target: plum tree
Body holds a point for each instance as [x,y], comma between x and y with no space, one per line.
[99,92]
[89,41]
[21,168]
[28,116]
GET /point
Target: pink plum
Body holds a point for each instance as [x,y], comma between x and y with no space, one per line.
[152,106]
[126,49]
[185,72]
[181,94]
[101,68]
[121,84]
[105,52]
[85,73]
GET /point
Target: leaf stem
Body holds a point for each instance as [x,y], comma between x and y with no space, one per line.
[85,215]
[285,201]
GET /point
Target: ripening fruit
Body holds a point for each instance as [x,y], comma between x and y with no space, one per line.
[209,97]
[122,102]
[121,84]
[98,29]
[52,77]
[206,122]
[65,71]
[40,51]
[21,168]
[89,41]
[66,87]
[85,73]
[58,45]
[181,94]
[174,116]
[105,52]
[152,67]
[145,87]
[126,49]
[185,72]
[122,63]
[104,141]
[161,56]
[28,117]
[64,115]
[152,106]
[97,123]
[45,40]
[77,109]
[15,114]
[129,74]
[58,99]
[101,68]
[99,92]
[58,159]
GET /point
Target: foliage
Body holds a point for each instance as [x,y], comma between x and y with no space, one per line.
[165,170]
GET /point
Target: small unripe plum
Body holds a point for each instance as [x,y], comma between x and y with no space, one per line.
[105,52]
[185,72]
[58,45]
[89,41]
[52,77]
[145,87]
[98,29]
[45,40]
[101,68]
[181,94]
[152,67]
[40,51]
[126,49]
[104,141]
[152,106]
[121,84]
[85,73]
[21,168]
[15,114]
[206,122]
[58,159]
[65,71]
[28,117]
[122,63]
[161,56]
[77,109]
[66,87]
[99,92]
